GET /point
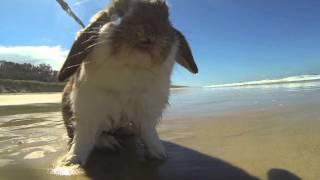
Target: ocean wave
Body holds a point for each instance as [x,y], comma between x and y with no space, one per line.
[292,79]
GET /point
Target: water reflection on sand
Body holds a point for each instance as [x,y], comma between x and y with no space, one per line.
[30,136]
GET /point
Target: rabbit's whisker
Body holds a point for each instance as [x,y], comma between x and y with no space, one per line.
[77,65]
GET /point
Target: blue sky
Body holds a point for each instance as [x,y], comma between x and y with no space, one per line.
[232,40]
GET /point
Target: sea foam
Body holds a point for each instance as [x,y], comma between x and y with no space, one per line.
[292,79]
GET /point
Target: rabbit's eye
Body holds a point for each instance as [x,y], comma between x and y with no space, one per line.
[116,19]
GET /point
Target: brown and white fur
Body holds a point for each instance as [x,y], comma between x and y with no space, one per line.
[123,81]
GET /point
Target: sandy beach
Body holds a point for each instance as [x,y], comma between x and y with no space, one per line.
[261,132]
[23,99]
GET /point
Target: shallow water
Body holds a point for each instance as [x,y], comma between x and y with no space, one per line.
[224,133]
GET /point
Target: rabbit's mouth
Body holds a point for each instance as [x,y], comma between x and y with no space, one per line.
[145,47]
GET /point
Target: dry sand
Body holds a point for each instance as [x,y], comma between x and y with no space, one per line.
[32,98]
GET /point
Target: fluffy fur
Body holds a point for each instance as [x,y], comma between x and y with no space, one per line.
[123,82]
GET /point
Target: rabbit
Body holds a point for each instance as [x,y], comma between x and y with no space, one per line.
[118,73]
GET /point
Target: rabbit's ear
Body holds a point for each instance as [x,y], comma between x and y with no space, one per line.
[185,57]
[120,6]
[82,47]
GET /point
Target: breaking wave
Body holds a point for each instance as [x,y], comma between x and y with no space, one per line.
[292,79]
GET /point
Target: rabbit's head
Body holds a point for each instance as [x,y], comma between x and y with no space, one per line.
[140,27]
[144,28]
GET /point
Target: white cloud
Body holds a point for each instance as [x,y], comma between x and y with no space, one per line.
[53,55]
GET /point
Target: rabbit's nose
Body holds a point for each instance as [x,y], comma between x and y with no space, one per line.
[146,41]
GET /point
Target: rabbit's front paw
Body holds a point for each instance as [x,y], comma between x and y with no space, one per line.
[156,153]
[153,146]
[70,159]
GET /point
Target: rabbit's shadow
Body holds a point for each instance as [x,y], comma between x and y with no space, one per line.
[183,163]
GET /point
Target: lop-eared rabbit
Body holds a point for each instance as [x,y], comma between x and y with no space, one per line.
[119,70]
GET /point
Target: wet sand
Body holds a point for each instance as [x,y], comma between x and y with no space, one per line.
[236,133]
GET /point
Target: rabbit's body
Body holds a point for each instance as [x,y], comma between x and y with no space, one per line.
[124,81]
[113,91]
